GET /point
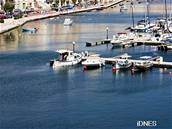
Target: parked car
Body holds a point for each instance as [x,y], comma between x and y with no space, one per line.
[17,13]
[9,14]
[2,14]
[29,10]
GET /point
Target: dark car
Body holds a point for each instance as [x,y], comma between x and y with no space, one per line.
[2,14]
[9,14]
[17,13]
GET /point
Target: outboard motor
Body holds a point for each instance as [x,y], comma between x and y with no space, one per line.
[51,62]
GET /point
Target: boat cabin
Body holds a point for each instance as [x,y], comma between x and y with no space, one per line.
[146,57]
[124,56]
[64,54]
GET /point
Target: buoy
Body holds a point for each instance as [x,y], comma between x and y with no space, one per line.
[132,71]
[114,69]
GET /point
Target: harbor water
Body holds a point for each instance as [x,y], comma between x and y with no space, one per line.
[34,96]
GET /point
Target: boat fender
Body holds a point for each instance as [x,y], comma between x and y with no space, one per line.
[84,67]
[113,68]
[51,63]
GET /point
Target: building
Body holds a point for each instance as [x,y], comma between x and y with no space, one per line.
[24,4]
[2,2]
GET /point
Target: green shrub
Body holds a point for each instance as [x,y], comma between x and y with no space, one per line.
[1,20]
[17,17]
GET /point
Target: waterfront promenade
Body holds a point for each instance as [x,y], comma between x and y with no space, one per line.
[12,24]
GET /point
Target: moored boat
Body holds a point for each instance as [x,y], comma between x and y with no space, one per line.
[31,30]
[123,62]
[143,65]
[68,22]
[67,58]
[123,8]
[93,62]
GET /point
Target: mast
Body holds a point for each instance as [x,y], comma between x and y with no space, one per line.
[166,17]
[148,13]
[132,12]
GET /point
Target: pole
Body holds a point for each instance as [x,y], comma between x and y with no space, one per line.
[107,33]
[132,13]
[148,15]
[166,16]
[73,46]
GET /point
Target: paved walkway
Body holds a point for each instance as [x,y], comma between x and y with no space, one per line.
[11,23]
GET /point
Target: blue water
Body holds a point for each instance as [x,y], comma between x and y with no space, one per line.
[34,96]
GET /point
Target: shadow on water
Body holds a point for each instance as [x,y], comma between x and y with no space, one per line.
[10,40]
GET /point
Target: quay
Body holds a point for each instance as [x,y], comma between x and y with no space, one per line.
[11,24]
[103,42]
[156,61]
[161,45]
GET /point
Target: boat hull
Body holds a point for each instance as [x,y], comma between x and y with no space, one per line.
[123,65]
[90,67]
[57,64]
[93,64]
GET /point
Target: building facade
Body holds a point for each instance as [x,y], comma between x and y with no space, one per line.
[2,2]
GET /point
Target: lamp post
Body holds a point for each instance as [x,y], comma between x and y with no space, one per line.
[147,3]
[73,44]
[107,32]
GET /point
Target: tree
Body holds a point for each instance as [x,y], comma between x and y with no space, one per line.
[8,7]
[74,1]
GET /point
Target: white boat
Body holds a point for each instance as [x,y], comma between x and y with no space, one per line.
[143,65]
[67,58]
[143,27]
[123,8]
[120,38]
[169,47]
[68,22]
[123,62]
[92,62]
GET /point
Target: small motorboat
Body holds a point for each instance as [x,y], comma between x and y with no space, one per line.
[31,30]
[120,38]
[143,65]
[116,41]
[67,58]
[123,8]
[68,22]
[93,62]
[123,62]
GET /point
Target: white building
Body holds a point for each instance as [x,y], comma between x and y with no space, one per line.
[30,4]
[1,3]
[24,4]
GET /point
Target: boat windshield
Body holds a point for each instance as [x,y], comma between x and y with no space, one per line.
[63,56]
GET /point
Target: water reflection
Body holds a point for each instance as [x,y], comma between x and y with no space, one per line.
[10,40]
[94,73]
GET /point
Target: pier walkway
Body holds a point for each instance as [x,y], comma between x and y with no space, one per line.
[157,62]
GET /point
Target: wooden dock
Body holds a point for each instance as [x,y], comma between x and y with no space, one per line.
[98,43]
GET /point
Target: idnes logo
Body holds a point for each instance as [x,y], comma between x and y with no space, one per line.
[147,123]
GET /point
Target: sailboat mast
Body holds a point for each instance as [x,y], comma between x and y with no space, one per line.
[166,16]
[148,15]
[132,12]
